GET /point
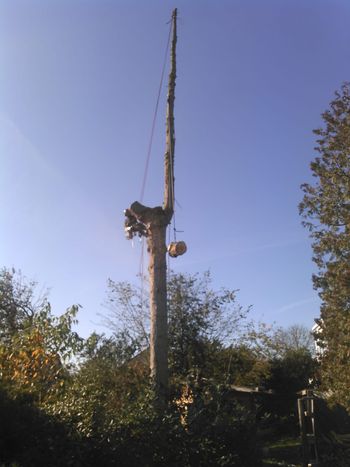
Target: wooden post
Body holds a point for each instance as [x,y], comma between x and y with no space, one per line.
[152,223]
[306,412]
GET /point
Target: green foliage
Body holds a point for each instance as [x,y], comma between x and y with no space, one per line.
[97,395]
[333,428]
[99,410]
[293,338]
[19,302]
[288,375]
[117,419]
[29,437]
[218,433]
[36,359]
[36,347]
[326,212]
[224,431]
[270,342]
[292,373]
[240,365]
[128,312]
[286,364]
[202,321]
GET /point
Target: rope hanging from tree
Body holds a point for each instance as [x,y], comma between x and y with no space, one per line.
[150,144]
[140,218]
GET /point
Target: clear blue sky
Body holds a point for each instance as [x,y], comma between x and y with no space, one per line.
[78,85]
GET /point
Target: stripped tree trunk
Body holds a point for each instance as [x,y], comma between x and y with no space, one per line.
[152,223]
[159,317]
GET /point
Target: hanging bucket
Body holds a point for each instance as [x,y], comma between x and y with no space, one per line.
[177,249]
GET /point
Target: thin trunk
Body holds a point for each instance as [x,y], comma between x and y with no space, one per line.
[152,223]
[159,318]
[169,195]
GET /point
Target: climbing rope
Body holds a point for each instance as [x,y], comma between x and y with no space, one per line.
[148,157]
[141,272]
[155,117]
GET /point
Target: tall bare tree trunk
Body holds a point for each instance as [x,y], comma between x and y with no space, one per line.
[152,223]
[159,317]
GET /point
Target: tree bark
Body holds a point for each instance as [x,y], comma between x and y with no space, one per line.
[152,223]
[169,191]
[159,320]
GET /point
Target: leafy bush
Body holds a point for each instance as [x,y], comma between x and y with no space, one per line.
[217,432]
[29,437]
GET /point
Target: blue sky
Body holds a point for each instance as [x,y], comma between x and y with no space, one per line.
[78,86]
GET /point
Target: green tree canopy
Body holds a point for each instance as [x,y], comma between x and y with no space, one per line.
[19,302]
[325,209]
[201,319]
[36,347]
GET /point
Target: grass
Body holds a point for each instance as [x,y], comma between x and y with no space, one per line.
[284,453]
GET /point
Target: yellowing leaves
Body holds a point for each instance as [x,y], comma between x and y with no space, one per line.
[28,364]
